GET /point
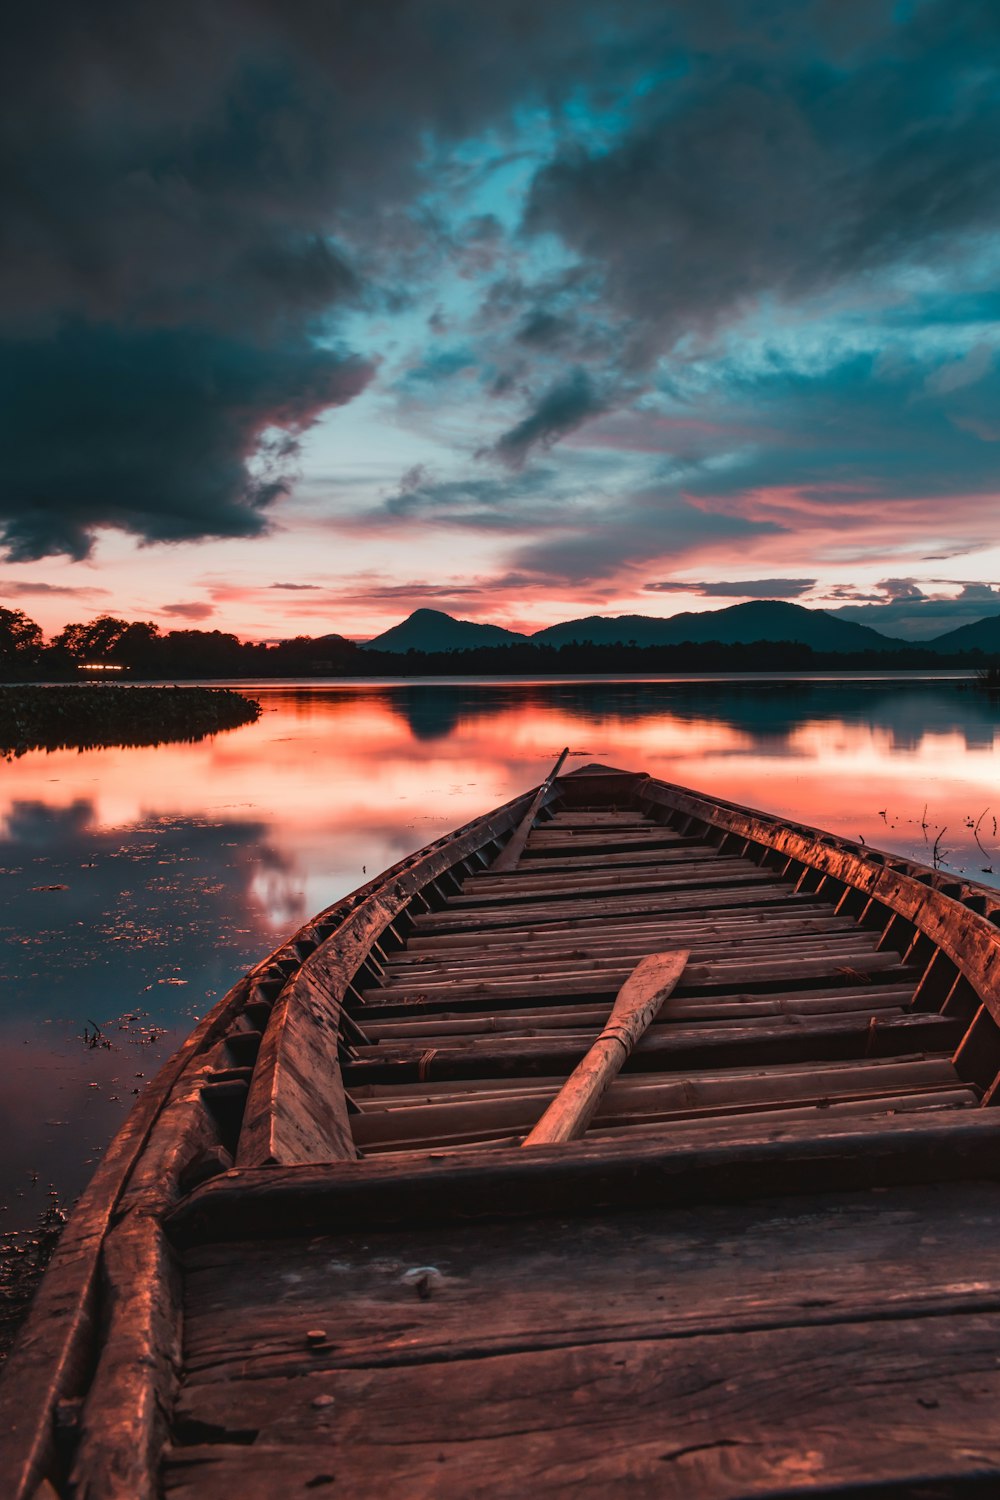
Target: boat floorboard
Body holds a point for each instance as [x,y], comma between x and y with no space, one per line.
[732,1350]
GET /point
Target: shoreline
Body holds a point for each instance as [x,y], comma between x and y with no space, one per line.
[85,716]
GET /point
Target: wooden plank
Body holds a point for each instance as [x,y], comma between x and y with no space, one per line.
[747,891]
[720,1163]
[569,933]
[867,998]
[124,1421]
[767,920]
[511,852]
[789,1040]
[715,948]
[673,852]
[387,1007]
[704,973]
[530,876]
[737,1415]
[676,876]
[288,1116]
[921,1069]
[637,1002]
[580,1033]
[545,1283]
[398,1127]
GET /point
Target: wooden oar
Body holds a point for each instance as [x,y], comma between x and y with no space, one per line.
[511,852]
[638,1001]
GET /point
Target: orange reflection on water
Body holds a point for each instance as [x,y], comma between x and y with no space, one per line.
[348,778]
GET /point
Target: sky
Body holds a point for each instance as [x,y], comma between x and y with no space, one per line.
[317,313]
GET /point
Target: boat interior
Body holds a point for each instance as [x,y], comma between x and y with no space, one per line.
[321,1257]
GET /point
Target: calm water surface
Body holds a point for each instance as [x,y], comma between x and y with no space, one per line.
[136,885]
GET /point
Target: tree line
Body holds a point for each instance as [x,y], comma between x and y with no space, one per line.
[139,649]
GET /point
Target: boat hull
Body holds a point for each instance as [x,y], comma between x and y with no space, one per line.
[317,1255]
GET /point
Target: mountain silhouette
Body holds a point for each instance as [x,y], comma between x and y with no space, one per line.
[978,635]
[433,630]
[738,624]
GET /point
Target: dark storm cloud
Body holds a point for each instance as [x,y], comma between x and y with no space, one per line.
[200,194]
[152,430]
[749,588]
[195,193]
[774,167]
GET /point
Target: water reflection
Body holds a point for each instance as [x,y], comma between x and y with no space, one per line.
[136,884]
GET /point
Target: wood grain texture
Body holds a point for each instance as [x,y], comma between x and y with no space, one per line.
[637,1002]
[735,1352]
[126,1414]
[511,851]
[674,1048]
[954,926]
[721,1161]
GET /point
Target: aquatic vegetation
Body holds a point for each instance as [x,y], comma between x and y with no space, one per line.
[67,717]
[24,1254]
[988,678]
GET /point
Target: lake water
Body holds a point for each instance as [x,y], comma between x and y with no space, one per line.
[136,885]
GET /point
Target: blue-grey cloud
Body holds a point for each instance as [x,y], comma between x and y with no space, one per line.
[561,410]
[747,588]
[198,194]
[782,166]
[901,607]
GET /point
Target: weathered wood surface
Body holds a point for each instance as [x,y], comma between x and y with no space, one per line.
[955,927]
[715,973]
[545,1281]
[638,1000]
[511,851]
[636,1097]
[721,1161]
[735,1352]
[922,1070]
[125,1420]
[757,888]
[706,1009]
[624,935]
[676,1048]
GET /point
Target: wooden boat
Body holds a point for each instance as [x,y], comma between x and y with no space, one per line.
[318,1257]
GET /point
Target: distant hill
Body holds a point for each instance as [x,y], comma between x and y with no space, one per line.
[739,624]
[980,635]
[433,630]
